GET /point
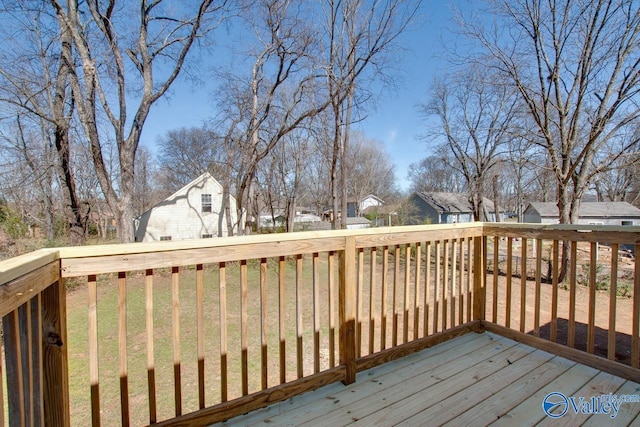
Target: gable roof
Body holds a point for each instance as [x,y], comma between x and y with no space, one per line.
[451,202]
[354,199]
[589,209]
[185,188]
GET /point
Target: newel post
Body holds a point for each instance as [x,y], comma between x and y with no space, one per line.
[479,275]
[55,362]
[347,309]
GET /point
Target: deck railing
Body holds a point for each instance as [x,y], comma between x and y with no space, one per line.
[194,332]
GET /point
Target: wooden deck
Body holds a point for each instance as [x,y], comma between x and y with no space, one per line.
[475,379]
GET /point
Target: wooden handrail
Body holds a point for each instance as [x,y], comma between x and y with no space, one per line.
[392,291]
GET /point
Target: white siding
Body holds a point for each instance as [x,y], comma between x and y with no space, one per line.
[180,216]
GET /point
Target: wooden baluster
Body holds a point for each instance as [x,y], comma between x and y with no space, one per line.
[2,399]
[15,368]
[122,348]
[593,270]
[299,326]
[94,378]
[332,308]
[479,271]
[635,355]
[445,283]
[461,280]
[436,296]
[263,324]
[536,319]
[572,295]
[282,319]
[39,353]
[200,333]
[360,285]
[469,286]
[224,350]
[496,260]
[405,304]
[316,313]
[151,375]
[554,290]
[175,316]
[427,285]
[507,320]
[523,284]
[416,295]
[613,292]
[396,278]
[383,300]
[372,287]
[452,287]
[244,317]
[30,392]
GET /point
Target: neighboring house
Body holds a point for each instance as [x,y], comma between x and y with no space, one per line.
[444,208]
[193,212]
[591,213]
[358,223]
[357,207]
[266,220]
[275,219]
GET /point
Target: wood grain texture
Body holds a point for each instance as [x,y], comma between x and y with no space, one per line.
[347,310]
[19,290]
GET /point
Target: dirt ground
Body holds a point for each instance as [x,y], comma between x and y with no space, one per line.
[623,303]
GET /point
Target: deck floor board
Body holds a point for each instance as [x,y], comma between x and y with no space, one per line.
[474,379]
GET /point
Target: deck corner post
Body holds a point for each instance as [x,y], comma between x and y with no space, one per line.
[347,309]
[55,359]
[479,269]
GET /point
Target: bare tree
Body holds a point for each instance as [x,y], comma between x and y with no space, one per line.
[130,55]
[28,169]
[370,171]
[186,153]
[619,181]
[436,173]
[575,67]
[280,94]
[474,123]
[360,45]
[34,80]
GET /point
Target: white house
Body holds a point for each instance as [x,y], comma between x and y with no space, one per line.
[193,212]
[357,207]
[591,213]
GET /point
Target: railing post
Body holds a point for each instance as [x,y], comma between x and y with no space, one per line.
[55,363]
[347,309]
[479,269]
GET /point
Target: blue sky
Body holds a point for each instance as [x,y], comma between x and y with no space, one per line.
[396,121]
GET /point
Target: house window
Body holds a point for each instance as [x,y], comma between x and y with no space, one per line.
[206,202]
[207,236]
[627,223]
[165,238]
